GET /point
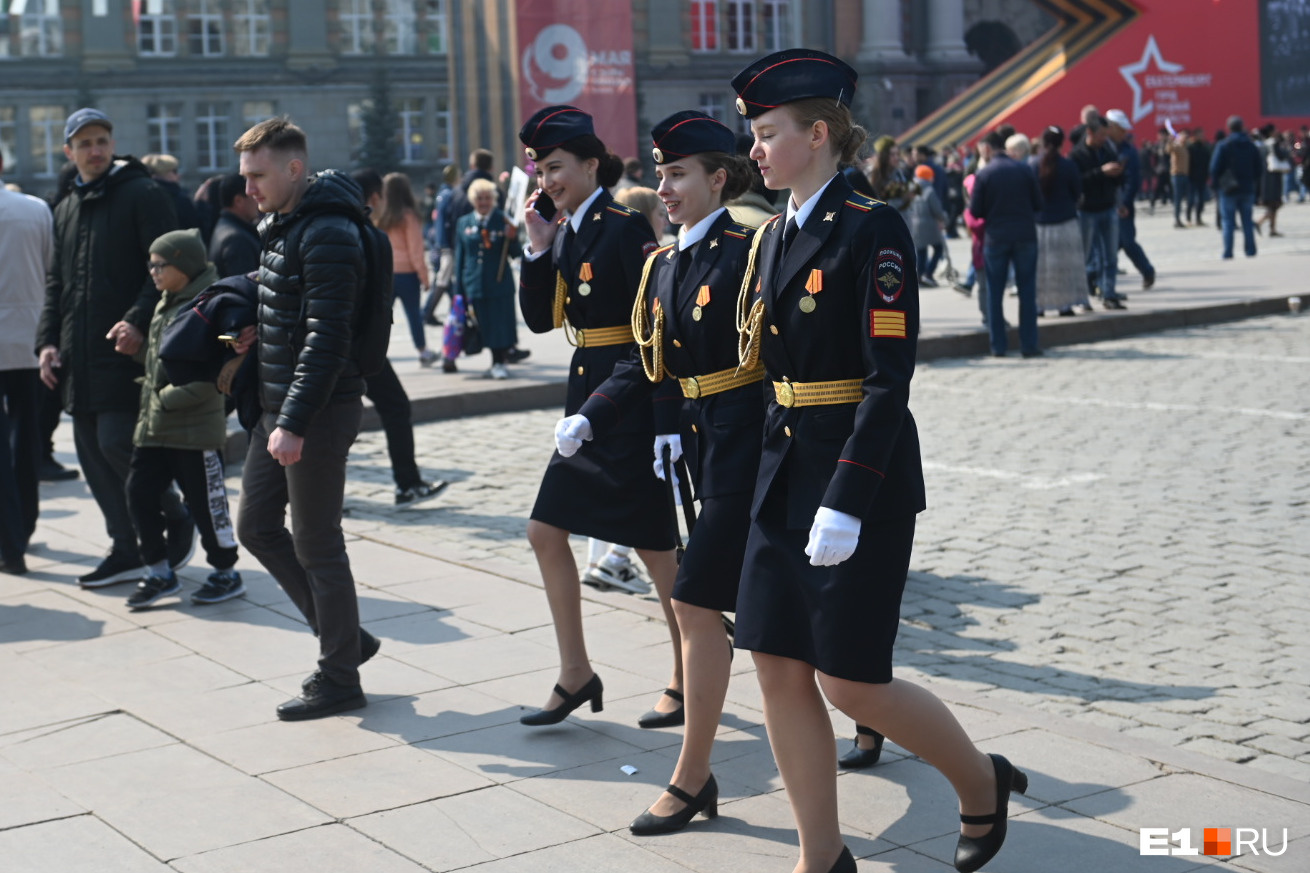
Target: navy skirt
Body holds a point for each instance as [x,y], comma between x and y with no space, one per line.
[841,620]
[711,566]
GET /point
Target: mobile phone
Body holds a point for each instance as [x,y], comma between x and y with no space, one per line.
[545,206]
[229,338]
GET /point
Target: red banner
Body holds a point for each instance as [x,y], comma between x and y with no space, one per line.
[1191,64]
[580,54]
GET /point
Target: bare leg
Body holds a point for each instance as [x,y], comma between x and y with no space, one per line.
[800,734]
[663,569]
[707,665]
[559,574]
[913,718]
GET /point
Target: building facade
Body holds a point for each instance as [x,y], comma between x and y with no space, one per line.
[187,77]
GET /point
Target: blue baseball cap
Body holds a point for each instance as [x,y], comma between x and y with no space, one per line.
[82,117]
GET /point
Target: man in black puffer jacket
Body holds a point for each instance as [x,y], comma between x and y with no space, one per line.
[311,275]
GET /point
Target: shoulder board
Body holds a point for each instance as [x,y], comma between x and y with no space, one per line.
[562,219]
[738,231]
[662,249]
[863,203]
[620,209]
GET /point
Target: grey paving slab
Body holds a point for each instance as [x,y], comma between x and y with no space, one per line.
[25,799]
[430,715]
[602,852]
[372,781]
[82,844]
[180,801]
[333,848]
[88,740]
[473,828]
[277,745]
[508,752]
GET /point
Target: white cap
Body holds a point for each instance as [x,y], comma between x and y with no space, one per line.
[1120,118]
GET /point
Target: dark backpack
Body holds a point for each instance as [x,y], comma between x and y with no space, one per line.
[373,309]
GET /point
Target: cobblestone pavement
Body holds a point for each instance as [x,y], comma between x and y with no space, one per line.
[1116,532]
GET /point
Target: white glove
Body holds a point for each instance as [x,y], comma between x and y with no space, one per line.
[570,434]
[674,442]
[833,537]
[673,471]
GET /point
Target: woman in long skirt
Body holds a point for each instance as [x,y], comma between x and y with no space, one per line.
[1061,274]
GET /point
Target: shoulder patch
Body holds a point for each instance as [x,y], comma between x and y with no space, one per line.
[648,249]
[863,203]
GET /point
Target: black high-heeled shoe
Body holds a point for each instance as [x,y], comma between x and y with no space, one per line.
[858,758]
[972,852]
[845,862]
[591,691]
[707,801]
[657,719]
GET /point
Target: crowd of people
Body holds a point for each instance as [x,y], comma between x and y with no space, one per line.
[736,278]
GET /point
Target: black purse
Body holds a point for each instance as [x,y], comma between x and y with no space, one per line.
[472,334]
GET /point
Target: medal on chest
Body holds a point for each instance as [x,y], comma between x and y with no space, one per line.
[585,275]
[702,300]
[813,285]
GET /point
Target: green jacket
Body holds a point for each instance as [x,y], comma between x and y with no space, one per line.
[190,416]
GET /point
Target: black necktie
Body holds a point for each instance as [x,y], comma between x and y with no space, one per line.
[788,236]
[684,263]
[566,249]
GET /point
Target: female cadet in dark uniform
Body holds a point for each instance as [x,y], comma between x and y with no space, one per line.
[685,322]
[832,309]
[581,274]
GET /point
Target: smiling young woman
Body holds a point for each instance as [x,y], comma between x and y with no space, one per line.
[830,307]
[581,274]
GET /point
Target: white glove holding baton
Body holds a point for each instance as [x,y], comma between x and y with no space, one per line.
[570,434]
[833,537]
[674,442]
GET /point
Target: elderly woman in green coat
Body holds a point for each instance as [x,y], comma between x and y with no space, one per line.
[485,240]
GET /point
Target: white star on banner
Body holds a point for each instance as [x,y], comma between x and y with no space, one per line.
[1130,72]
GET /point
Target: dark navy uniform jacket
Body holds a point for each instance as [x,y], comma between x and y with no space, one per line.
[614,241]
[858,458]
[720,432]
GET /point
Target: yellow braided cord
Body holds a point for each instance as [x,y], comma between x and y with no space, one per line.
[557,308]
[750,315]
[652,361]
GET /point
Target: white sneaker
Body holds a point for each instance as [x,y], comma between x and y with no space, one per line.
[621,575]
[499,371]
[427,358]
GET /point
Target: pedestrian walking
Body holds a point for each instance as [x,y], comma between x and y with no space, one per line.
[581,274]
[1130,181]
[1236,168]
[398,217]
[485,240]
[840,476]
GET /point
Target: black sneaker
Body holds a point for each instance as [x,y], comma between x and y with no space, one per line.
[117,567]
[514,356]
[320,697]
[181,541]
[421,491]
[152,589]
[221,585]
[53,471]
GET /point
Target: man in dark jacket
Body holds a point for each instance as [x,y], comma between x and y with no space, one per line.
[99,301]
[1198,175]
[1098,214]
[234,248]
[1236,167]
[164,170]
[311,278]
[1006,196]
[1120,131]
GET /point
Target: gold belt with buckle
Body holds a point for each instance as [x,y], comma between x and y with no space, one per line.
[791,394]
[695,387]
[604,336]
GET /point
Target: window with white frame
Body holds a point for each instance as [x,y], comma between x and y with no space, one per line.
[409,111]
[251,26]
[434,15]
[9,138]
[40,29]
[400,32]
[445,131]
[213,146]
[741,25]
[205,29]
[255,111]
[357,27]
[775,24]
[704,26]
[164,128]
[156,28]
[46,124]
[712,105]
